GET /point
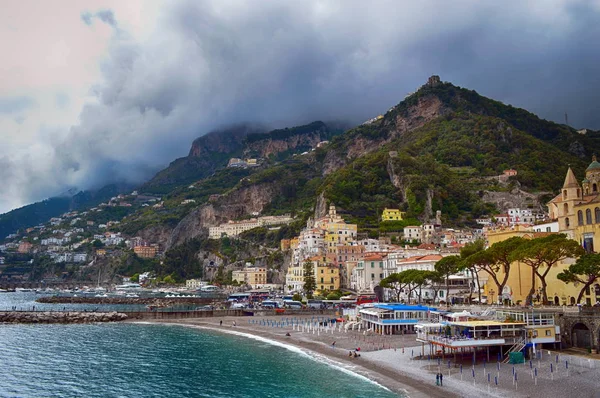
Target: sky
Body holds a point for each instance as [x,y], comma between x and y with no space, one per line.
[101,91]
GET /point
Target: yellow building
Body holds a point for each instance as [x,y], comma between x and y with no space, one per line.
[577,210]
[337,232]
[518,285]
[392,215]
[253,276]
[327,275]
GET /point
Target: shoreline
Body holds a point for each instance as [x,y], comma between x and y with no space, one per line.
[388,361]
[363,367]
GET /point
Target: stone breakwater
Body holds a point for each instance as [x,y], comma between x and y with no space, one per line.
[61,317]
[151,301]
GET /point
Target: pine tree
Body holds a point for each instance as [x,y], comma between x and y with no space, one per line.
[310,283]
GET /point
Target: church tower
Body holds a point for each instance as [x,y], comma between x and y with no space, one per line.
[571,194]
[591,183]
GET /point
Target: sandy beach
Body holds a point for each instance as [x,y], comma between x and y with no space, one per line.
[387,361]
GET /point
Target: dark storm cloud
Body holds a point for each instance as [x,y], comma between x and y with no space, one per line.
[215,63]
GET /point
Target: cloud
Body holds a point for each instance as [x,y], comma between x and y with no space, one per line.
[208,64]
[10,105]
[106,16]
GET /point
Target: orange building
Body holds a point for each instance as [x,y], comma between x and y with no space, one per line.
[145,251]
[24,247]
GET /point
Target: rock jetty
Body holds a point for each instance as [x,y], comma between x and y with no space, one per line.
[154,301]
[60,317]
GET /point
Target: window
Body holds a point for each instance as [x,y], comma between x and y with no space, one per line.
[441,293]
[331,281]
[565,194]
[548,333]
[372,265]
[588,216]
[597,214]
[567,222]
[594,187]
[372,276]
[580,217]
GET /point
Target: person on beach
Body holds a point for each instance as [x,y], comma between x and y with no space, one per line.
[437,379]
[441,379]
[333,344]
[221,322]
[288,334]
[350,354]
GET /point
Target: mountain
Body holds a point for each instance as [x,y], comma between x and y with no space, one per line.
[41,212]
[442,148]
[207,154]
[438,149]
[213,151]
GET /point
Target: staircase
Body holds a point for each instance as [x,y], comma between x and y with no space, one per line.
[518,346]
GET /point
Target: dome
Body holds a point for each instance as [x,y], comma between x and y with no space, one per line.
[594,165]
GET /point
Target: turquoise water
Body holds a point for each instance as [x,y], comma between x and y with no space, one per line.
[128,360]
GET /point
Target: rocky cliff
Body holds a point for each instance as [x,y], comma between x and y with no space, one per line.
[234,205]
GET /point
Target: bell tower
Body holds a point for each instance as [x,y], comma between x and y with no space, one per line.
[571,194]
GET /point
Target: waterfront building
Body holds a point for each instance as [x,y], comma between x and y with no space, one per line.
[256,277]
[389,319]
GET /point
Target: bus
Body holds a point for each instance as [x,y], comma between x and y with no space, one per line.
[239,297]
[366,298]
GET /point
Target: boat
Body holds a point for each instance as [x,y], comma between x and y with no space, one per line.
[131,295]
[23,290]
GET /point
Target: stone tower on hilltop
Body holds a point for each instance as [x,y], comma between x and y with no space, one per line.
[434,81]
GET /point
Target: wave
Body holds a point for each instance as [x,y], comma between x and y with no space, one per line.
[306,353]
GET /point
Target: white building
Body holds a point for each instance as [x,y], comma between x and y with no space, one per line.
[234,228]
[412,233]
[546,227]
[368,273]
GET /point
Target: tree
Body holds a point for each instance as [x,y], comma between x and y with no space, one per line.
[446,267]
[415,280]
[585,271]
[297,297]
[310,283]
[469,250]
[394,282]
[496,258]
[435,280]
[541,254]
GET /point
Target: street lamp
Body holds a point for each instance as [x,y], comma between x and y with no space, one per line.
[492,294]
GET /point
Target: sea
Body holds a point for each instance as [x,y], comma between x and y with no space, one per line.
[153,360]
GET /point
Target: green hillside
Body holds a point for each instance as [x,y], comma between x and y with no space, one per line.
[41,212]
[441,165]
